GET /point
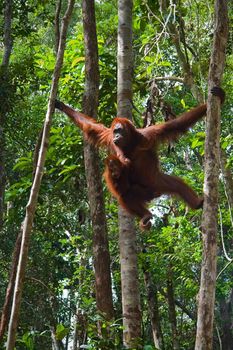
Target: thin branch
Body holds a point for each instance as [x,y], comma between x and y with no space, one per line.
[57,25]
[222,238]
[225,267]
[219,338]
[53,294]
[171,78]
[191,315]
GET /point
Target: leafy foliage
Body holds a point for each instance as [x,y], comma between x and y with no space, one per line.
[60,275]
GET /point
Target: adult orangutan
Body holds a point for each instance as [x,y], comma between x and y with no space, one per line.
[132,170]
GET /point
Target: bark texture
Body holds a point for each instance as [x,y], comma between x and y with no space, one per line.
[7,42]
[31,206]
[152,296]
[205,317]
[171,307]
[95,191]
[127,238]
[57,24]
[124,59]
[129,282]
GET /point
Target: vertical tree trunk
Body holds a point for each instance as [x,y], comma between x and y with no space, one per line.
[31,206]
[206,302]
[57,24]
[56,344]
[153,309]
[172,308]
[3,106]
[80,330]
[129,281]
[10,288]
[127,238]
[80,318]
[95,191]
[226,309]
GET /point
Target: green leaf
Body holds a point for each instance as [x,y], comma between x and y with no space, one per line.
[196,143]
[23,163]
[183,103]
[68,169]
[77,60]
[61,331]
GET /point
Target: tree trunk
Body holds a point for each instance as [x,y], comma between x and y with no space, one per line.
[127,238]
[129,281]
[80,330]
[205,317]
[172,308]
[10,288]
[95,192]
[31,206]
[226,310]
[152,296]
[56,344]
[3,106]
[57,24]
[184,309]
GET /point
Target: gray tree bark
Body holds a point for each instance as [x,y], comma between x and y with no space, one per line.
[205,317]
[127,238]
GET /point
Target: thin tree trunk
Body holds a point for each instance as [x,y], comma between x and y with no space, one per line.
[75,345]
[127,238]
[226,309]
[56,344]
[80,319]
[7,34]
[184,309]
[95,191]
[2,168]
[205,317]
[57,24]
[152,296]
[80,330]
[172,308]
[31,206]
[10,288]
[3,106]
[129,281]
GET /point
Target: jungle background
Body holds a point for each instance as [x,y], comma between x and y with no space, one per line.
[58,309]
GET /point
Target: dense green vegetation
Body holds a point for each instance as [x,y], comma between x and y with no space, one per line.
[60,278]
